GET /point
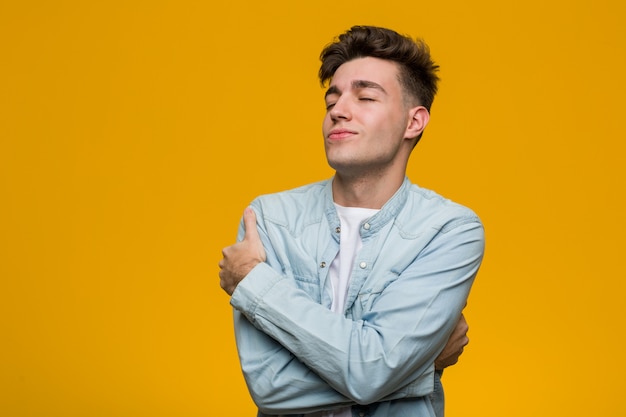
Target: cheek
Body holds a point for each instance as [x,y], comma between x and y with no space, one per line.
[326,123]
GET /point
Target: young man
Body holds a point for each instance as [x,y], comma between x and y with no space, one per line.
[347,291]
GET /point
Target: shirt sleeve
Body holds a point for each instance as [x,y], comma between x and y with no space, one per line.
[291,343]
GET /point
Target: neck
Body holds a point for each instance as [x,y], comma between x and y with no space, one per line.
[365,192]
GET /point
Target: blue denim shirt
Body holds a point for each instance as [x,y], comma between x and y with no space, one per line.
[409,284]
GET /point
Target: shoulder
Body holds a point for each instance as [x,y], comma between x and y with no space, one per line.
[426,207]
[290,207]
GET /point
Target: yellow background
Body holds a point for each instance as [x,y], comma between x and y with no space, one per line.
[133,134]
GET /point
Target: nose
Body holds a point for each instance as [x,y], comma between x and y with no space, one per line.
[340,110]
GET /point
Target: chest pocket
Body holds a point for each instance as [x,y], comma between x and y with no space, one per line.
[367,297]
[310,285]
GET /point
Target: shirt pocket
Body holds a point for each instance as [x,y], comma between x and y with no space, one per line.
[310,285]
[370,292]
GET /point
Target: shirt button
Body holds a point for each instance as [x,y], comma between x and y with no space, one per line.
[363,265]
[366,226]
[337,229]
[323,265]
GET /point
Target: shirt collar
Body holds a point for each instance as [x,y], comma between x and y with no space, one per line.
[388,212]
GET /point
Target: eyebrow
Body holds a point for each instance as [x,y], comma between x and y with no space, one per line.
[356,85]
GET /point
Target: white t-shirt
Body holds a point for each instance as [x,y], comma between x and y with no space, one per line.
[341,269]
[349,245]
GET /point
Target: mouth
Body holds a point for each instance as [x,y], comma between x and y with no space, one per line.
[337,134]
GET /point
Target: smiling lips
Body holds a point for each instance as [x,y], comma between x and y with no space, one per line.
[337,134]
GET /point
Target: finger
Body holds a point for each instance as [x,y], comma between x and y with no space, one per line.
[461,326]
[249,222]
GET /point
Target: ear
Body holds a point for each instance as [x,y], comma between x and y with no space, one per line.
[418,119]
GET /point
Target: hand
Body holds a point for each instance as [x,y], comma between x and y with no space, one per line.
[453,349]
[240,258]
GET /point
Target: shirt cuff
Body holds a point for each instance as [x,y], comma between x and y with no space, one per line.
[251,290]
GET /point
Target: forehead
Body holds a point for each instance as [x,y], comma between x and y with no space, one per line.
[379,71]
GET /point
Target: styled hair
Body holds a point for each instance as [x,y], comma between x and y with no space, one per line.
[417,71]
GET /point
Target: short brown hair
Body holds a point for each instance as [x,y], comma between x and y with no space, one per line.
[417,69]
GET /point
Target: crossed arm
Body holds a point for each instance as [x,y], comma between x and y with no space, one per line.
[239,261]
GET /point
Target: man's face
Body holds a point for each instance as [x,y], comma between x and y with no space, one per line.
[365,127]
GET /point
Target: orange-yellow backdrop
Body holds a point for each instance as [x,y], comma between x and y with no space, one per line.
[134,133]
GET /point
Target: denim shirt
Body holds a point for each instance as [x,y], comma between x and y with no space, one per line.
[409,284]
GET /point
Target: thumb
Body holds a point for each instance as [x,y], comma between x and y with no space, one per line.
[249,222]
